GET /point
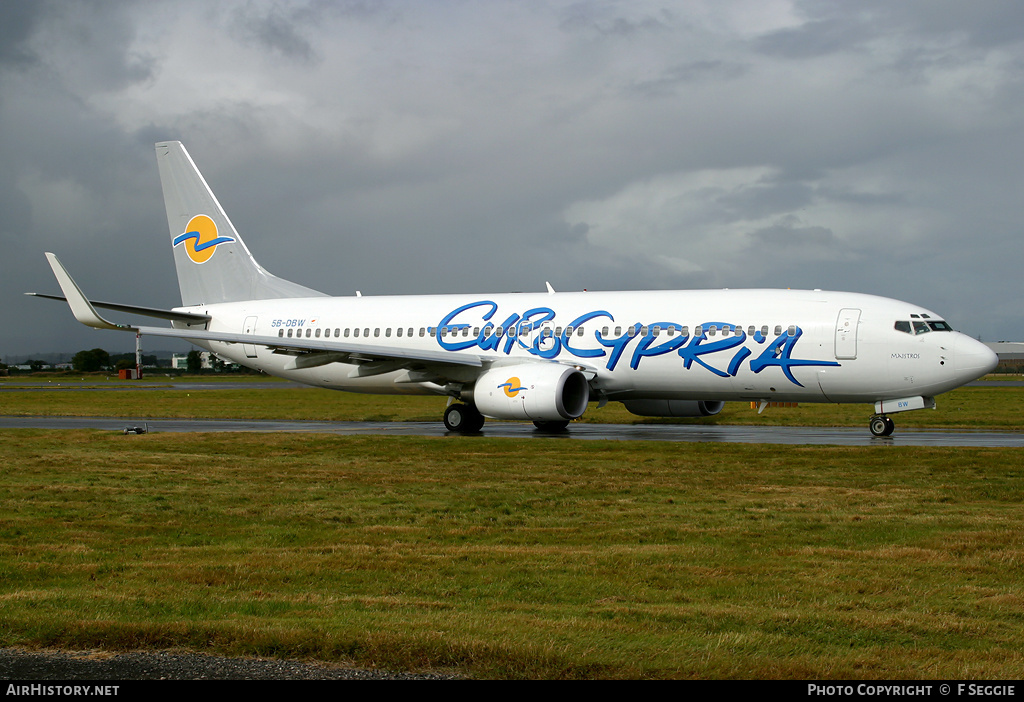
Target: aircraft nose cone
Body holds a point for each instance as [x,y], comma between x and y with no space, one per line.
[973,359]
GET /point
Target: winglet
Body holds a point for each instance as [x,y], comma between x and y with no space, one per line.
[551,290]
[82,309]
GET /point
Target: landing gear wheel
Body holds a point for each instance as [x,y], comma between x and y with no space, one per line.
[551,426]
[464,419]
[881,426]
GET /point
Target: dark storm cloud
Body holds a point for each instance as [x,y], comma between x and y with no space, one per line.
[17,20]
[451,147]
[835,26]
[610,21]
[680,77]
[789,237]
[816,38]
[278,29]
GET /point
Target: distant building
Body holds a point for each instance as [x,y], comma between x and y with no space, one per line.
[1011,354]
[179,361]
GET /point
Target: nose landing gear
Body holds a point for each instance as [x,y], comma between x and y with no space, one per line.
[881,425]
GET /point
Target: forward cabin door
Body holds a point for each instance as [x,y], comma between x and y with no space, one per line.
[249,328]
[846,334]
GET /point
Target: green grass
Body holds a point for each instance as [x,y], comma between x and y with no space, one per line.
[508,558]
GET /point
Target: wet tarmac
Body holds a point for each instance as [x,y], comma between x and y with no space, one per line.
[818,436]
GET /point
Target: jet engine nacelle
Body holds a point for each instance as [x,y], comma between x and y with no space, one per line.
[674,408]
[547,392]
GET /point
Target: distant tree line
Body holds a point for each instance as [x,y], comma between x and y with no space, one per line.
[90,361]
[93,360]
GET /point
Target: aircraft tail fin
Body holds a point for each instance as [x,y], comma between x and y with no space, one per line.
[213,263]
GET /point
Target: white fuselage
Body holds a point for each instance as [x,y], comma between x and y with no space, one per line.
[756,345]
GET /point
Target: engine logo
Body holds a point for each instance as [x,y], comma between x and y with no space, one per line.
[511,386]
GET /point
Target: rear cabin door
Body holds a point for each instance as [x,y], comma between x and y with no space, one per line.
[249,328]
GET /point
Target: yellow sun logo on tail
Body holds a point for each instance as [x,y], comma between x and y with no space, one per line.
[201,239]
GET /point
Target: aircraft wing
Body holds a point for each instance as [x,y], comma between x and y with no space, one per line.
[342,351]
[173,315]
[308,352]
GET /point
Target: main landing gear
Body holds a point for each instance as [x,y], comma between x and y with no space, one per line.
[465,419]
[881,425]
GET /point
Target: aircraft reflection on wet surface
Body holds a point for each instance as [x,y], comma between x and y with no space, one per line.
[820,436]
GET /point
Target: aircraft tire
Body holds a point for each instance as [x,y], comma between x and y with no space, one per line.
[551,426]
[881,426]
[464,419]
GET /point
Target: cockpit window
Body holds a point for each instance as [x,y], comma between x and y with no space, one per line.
[919,327]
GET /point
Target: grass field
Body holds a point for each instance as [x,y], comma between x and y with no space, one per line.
[507,558]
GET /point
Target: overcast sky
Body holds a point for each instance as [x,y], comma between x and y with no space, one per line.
[470,147]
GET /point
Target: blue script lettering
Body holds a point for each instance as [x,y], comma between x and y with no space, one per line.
[533,332]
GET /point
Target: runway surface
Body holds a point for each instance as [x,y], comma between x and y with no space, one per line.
[820,436]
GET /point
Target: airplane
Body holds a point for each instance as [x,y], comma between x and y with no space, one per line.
[543,356]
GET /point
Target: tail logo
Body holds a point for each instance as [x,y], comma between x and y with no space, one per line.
[201,239]
[511,387]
